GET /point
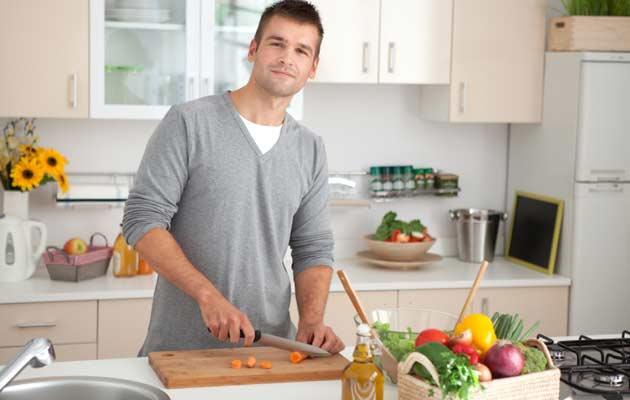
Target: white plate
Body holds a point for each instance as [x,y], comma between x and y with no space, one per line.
[426,259]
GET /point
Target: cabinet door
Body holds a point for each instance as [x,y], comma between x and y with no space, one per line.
[340,312]
[44,68]
[415,41]
[63,352]
[497,60]
[122,327]
[349,52]
[142,60]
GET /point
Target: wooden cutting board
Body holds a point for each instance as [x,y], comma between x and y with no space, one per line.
[193,368]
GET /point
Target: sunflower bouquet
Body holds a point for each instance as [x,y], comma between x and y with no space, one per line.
[26,166]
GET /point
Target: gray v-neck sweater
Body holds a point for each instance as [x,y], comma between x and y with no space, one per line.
[233,211]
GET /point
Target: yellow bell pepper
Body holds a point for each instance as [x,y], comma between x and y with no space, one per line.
[483,335]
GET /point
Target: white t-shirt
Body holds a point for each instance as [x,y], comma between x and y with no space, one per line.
[265,136]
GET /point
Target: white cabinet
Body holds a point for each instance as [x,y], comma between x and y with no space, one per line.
[44,52]
[122,327]
[413,46]
[497,64]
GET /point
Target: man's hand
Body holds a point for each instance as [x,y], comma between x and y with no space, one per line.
[226,321]
[319,335]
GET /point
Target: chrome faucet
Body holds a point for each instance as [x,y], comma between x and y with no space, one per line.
[37,353]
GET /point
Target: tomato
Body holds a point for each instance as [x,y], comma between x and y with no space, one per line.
[394,235]
[431,335]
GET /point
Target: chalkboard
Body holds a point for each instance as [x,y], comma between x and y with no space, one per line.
[535,231]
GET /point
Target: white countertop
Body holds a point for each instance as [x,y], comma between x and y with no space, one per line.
[138,369]
[449,273]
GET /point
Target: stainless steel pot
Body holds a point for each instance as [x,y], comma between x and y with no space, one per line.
[476,233]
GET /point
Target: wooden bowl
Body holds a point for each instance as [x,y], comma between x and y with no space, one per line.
[398,251]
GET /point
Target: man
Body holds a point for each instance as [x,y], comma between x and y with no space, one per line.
[226,183]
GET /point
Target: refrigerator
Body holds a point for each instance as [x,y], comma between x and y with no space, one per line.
[580,153]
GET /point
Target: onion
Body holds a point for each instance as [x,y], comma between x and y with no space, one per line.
[504,359]
[484,372]
[464,338]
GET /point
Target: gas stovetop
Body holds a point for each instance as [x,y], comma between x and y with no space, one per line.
[599,367]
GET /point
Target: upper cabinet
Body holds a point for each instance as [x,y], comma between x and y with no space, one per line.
[144,56]
[385,41]
[497,64]
[44,67]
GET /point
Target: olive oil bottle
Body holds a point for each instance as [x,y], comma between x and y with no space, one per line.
[362,379]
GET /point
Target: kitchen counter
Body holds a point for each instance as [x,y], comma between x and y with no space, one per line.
[450,273]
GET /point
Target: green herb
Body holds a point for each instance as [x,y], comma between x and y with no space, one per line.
[535,360]
[457,376]
[619,8]
[510,327]
[390,224]
[400,344]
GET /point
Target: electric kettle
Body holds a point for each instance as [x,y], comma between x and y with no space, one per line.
[17,258]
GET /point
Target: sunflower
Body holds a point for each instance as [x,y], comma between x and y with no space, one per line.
[27,174]
[62,181]
[52,161]
[28,151]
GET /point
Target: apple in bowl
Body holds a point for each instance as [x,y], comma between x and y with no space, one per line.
[75,246]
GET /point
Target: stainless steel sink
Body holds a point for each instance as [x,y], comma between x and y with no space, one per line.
[80,388]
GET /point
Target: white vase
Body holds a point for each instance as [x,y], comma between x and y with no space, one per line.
[15,203]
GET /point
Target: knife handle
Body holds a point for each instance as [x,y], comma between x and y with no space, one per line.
[257,334]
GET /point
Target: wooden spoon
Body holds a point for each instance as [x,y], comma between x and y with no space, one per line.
[472,291]
[389,362]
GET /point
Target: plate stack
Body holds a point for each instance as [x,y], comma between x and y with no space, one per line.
[398,255]
[138,11]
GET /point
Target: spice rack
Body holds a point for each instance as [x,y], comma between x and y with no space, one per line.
[356,189]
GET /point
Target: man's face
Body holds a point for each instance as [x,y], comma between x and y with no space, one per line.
[285,57]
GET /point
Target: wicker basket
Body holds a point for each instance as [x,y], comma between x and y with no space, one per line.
[74,268]
[543,385]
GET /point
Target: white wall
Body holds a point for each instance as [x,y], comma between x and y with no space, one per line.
[362,125]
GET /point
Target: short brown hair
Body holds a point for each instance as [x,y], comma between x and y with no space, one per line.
[298,10]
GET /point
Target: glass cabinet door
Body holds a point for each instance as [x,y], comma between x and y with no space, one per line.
[227,28]
[145,56]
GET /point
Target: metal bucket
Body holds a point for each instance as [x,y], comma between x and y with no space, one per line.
[476,233]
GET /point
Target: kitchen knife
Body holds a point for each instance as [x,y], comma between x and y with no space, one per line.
[287,344]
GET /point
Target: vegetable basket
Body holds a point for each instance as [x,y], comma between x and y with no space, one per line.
[62,266]
[543,385]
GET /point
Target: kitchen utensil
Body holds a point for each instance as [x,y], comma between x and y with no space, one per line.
[211,367]
[18,260]
[93,263]
[388,361]
[412,251]
[476,233]
[473,290]
[426,259]
[286,344]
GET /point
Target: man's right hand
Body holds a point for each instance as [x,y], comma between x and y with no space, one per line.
[226,321]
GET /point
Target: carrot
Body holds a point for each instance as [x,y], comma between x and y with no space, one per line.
[251,362]
[265,364]
[236,364]
[296,357]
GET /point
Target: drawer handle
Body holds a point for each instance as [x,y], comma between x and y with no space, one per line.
[36,325]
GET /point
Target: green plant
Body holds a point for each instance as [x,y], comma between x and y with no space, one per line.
[617,8]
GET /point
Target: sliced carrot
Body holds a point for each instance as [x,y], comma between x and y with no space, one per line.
[236,364]
[265,364]
[296,357]
[251,362]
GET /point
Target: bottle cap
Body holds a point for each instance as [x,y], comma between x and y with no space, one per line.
[363,330]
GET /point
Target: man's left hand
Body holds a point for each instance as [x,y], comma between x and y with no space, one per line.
[319,335]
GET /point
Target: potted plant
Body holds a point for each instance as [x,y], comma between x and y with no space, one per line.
[592,25]
[25,166]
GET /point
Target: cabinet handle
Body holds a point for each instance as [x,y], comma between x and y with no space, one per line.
[206,83]
[73,90]
[191,87]
[36,325]
[615,188]
[366,57]
[484,306]
[462,97]
[391,55]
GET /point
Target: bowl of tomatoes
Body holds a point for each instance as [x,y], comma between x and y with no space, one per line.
[397,240]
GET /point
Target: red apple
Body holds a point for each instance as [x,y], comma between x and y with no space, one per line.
[75,246]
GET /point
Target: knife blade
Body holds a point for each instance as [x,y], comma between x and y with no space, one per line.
[287,344]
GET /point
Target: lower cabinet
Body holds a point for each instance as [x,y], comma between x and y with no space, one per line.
[549,305]
[122,327]
[63,352]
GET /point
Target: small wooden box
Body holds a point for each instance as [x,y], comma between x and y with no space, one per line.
[589,33]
